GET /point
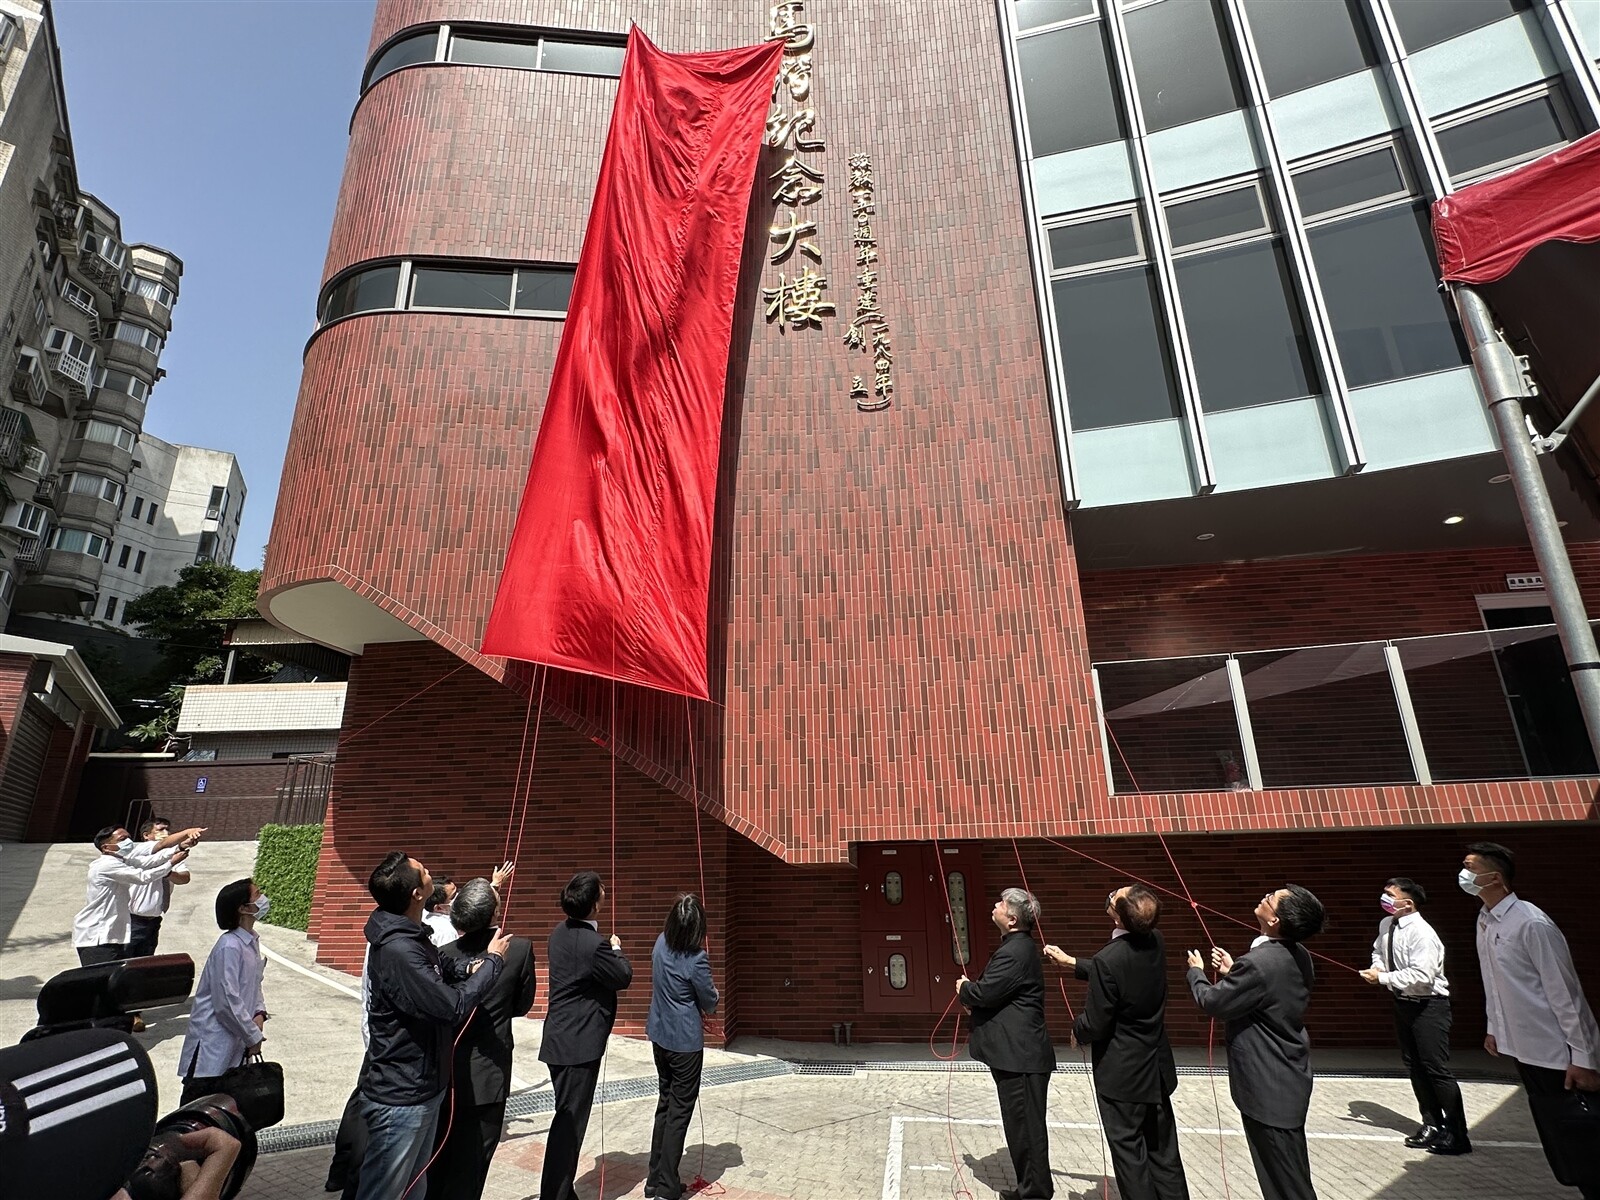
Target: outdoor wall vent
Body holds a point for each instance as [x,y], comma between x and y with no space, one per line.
[1525,583]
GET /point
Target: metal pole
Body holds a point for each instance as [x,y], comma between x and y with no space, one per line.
[1500,376]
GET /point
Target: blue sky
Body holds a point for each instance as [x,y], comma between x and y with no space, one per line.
[217,129]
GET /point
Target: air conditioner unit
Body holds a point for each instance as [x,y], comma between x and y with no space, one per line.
[29,380]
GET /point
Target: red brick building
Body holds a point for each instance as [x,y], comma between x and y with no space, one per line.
[1019,602]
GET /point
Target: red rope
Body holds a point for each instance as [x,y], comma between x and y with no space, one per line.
[1083,1051]
[701,1184]
[959,1181]
[516,782]
[527,794]
[346,741]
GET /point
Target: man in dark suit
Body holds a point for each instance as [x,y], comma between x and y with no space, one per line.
[1008,1034]
[1262,998]
[585,973]
[1124,1021]
[481,1077]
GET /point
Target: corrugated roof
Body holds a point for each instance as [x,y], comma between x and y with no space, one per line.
[261,707]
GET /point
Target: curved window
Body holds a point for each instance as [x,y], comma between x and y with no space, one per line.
[81,483]
[105,431]
[894,888]
[567,51]
[119,381]
[413,48]
[898,975]
[78,541]
[137,335]
[148,289]
[450,287]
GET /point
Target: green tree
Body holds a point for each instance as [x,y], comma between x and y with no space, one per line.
[187,620]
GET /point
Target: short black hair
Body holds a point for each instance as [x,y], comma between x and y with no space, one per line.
[1418,893]
[685,929]
[439,895]
[104,836]
[1501,858]
[580,895]
[1139,909]
[144,830]
[229,900]
[393,881]
[1300,914]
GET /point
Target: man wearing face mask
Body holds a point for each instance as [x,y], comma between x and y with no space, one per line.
[1537,1014]
[101,930]
[1408,959]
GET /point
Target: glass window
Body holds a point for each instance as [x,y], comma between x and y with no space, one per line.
[138,563]
[77,541]
[119,381]
[1382,288]
[28,517]
[1510,135]
[137,335]
[1031,14]
[149,289]
[104,431]
[150,517]
[80,483]
[1180,63]
[414,48]
[894,888]
[543,291]
[581,58]
[898,976]
[1302,45]
[1245,328]
[1427,22]
[111,608]
[362,292]
[960,931]
[70,344]
[1066,90]
[1226,214]
[138,507]
[1109,239]
[447,287]
[122,559]
[1349,182]
[1114,349]
[493,52]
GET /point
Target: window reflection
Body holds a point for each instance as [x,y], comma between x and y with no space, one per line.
[1428,22]
[1066,89]
[1503,137]
[1031,14]
[1114,349]
[418,47]
[1181,63]
[1304,44]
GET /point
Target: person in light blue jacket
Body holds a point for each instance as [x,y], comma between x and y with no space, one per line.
[681,992]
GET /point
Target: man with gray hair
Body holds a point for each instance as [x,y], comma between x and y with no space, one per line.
[481,1079]
[1009,1035]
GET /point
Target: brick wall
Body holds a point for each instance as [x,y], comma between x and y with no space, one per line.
[59,781]
[239,798]
[785,937]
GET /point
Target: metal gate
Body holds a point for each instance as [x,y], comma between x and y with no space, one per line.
[30,742]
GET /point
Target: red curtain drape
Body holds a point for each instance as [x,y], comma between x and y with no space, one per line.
[609,568]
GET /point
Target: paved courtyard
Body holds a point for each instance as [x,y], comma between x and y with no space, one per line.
[905,1128]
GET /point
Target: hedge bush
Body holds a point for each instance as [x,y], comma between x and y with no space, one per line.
[286,870]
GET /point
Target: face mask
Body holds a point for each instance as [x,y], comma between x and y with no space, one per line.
[1469,882]
[1388,903]
[263,905]
[124,845]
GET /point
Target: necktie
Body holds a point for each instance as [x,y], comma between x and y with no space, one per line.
[1389,953]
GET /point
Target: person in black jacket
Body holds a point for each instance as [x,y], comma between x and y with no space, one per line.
[586,971]
[1124,1021]
[415,1005]
[1008,1034]
[1262,998]
[481,1076]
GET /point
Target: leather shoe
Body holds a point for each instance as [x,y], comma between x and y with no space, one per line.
[1425,1137]
[1449,1143]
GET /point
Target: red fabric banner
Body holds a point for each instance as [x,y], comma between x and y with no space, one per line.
[609,570]
[1484,230]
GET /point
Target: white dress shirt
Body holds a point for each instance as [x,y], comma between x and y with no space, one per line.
[1417,971]
[1536,1010]
[152,899]
[440,931]
[226,999]
[103,920]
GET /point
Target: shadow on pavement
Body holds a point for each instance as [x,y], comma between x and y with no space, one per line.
[621,1174]
[993,1170]
[19,871]
[1379,1116]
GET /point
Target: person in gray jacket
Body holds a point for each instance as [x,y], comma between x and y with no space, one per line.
[681,992]
[1262,998]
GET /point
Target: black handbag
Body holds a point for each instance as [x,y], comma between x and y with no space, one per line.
[1571,1124]
[255,1086]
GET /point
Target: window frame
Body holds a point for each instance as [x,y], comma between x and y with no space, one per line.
[1390,141]
[1550,89]
[1093,15]
[147,335]
[1220,187]
[404,287]
[53,542]
[1087,216]
[445,33]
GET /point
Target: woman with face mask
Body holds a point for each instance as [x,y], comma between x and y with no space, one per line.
[228,1014]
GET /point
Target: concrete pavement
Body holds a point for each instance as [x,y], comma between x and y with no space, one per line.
[775,1120]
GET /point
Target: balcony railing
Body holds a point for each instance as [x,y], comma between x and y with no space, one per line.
[16,431]
[29,553]
[1485,705]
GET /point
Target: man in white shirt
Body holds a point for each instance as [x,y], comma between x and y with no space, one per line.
[437,917]
[1408,959]
[148,902]
[1537,1013]
[101,929]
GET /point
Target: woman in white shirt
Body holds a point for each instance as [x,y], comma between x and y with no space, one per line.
[228,1013]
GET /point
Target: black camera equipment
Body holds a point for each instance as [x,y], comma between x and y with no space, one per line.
[159,1173]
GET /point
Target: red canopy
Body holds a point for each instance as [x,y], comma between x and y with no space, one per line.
[1485,230]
